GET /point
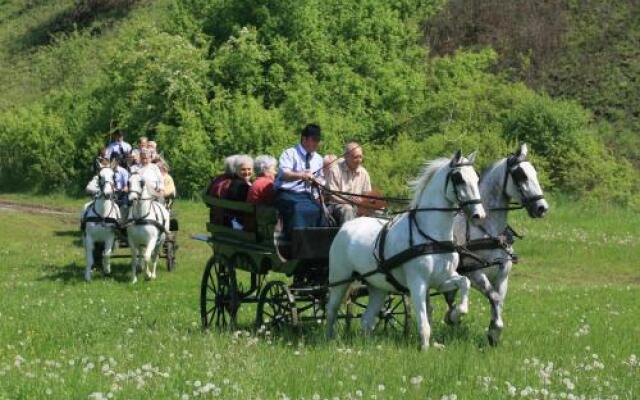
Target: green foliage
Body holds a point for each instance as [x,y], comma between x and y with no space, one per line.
[211,78]
[35,150]
[560,132]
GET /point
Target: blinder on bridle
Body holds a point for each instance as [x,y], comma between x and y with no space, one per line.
[456,178]
[102,182]
[519,178]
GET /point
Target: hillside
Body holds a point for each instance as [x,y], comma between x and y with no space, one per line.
[584,50]
[211,78]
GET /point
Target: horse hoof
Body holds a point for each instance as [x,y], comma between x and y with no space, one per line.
[134,280]
[423,347]
[87,277]
[493,333]
[452,317]
[494,338]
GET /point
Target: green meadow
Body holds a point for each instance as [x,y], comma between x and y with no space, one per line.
[572,323]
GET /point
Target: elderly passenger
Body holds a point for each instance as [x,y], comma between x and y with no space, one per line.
[169,185]
[262,191]
[219,185]
[241,181]
[351,177]
[151,175]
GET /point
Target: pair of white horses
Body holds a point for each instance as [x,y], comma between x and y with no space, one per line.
[444,185]
[147,223]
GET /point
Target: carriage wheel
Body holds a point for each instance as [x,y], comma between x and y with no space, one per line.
[395,315]
[219,300]
[276,307]
[244,262]
[170,253]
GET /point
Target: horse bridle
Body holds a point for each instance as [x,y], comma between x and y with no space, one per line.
[102,182]
[519,177]
[139,192]
[455,176]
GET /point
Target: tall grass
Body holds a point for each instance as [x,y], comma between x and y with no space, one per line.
[571,322]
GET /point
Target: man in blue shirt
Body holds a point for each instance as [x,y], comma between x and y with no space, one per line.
[121,178]
[300,168]
[118,146]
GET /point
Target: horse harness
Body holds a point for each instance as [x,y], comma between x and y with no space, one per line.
[505,240]
[104,221]
[145,220]
[432,246]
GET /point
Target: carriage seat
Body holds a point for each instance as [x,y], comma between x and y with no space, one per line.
[258,221]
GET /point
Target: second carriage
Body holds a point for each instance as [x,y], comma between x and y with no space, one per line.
[246,268]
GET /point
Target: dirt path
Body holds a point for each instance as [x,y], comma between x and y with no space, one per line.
[7,205]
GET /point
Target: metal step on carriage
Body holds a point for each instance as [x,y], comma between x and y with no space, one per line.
[168,251]
[245,268]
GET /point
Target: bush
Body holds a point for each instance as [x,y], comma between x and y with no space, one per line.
[36,150]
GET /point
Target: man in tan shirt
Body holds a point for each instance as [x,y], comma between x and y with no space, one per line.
[348,176]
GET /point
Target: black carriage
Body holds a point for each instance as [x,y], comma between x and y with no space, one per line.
[246,268]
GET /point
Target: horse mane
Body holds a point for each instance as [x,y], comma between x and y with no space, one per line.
[428,171]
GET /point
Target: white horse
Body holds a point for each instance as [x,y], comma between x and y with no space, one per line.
[99,220]
[444,187]
[510,178]
[147,226]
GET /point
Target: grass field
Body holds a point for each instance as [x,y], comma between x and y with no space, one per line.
[572,316]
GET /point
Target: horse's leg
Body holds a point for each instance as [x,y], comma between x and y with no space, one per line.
[450,298]
[88,248]
[134,261]
[336,297]
[497,301]
[154,258]
[340,270]
[419,290]
[462,284]
[106,255]
[146,255]
[376,300]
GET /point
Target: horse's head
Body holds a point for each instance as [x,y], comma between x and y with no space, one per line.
[461,187]
[521,183]
[106,182]
[136,187]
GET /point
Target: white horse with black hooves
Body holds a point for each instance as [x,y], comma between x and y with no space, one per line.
[99,220]
[147,227]
[511,178]
[414,250]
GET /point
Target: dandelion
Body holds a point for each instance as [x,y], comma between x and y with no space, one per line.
[18,361]
[381,388]
[568,384]
[632,361]
[359,393]
[315,396]
[416,380]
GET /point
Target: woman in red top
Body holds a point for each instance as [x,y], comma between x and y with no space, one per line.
[262,191]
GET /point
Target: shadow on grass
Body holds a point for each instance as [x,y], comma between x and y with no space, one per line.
[75,233]
[92,16]
[73,273]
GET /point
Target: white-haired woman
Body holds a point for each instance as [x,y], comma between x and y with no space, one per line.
[241,181]
[262,191]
